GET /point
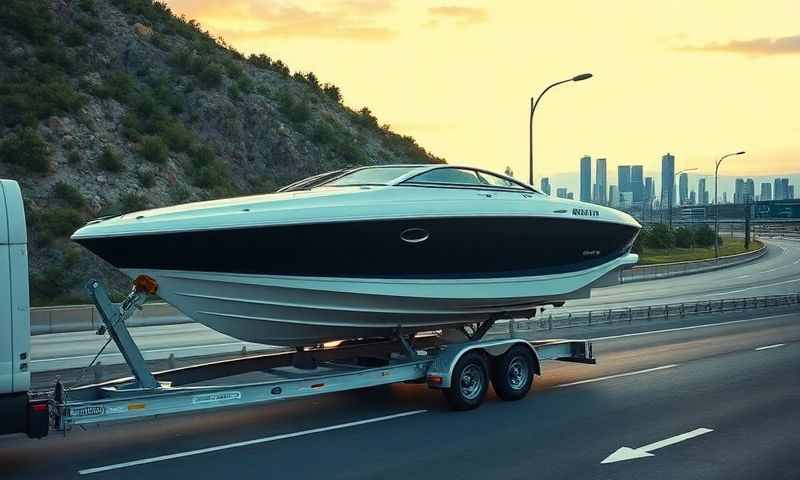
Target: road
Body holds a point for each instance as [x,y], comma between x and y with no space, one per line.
[777,272]
[720,399]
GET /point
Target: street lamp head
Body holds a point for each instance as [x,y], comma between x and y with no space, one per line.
[740,153]
[582,76]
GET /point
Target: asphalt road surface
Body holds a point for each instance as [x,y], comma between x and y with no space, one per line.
[681,400]
[777,272]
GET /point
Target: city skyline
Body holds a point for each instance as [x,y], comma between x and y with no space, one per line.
[668,76]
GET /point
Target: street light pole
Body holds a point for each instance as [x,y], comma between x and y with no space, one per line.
[716,204]
[576,78]
[671,188]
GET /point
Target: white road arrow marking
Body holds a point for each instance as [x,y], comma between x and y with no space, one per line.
[627,453]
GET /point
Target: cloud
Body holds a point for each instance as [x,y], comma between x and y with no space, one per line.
[461,15]
[356,20]
[756,47]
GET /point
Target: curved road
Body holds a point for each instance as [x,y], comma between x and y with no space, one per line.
[777,272]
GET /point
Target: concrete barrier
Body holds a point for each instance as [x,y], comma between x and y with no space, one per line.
[667,270]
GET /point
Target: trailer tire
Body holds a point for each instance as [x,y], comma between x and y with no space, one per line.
[512,377]
[469,382]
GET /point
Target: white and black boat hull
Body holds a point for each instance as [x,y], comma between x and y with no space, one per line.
[298,311]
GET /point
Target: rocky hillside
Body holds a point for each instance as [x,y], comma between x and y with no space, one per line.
[109,106]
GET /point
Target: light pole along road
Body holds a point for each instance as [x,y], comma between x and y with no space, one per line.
[576,78]
[716,203]
[671,188]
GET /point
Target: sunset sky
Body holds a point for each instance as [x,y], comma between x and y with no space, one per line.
[697,79]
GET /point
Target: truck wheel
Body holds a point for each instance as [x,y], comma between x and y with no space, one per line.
[513,373]
[469,382]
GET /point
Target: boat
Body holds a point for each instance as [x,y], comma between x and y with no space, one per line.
[368,252]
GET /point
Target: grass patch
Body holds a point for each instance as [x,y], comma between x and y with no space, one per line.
[652,256]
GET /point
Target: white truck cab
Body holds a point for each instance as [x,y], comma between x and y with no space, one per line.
[16,410]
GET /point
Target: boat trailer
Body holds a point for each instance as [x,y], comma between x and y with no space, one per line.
[462,370]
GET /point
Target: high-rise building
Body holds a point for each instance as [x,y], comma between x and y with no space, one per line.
[624,178]
[561,192]
[683,189]
[546,185]
[600,179]
[637,183]
[778,193]
[625,199]
[570,196]
[790,193]
[667,179]
[766,191]
[613,196]
[724,197]
[738,193]
[586,179]
[649,190]
[750,191]
[692,198]
[787,192]
[702,193]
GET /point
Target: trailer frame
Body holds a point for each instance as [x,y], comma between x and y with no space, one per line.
[264,378]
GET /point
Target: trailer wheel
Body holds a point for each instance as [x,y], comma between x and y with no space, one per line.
[513,373]
[469,382]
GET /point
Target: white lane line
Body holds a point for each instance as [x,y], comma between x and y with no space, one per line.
[742,276]
[619,375]
[796,261]
[752,288]
[770,270]
[228,446]
[767,347]
[678,329]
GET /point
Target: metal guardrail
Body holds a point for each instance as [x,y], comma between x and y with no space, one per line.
[668,311]
[676,269]
[86,318]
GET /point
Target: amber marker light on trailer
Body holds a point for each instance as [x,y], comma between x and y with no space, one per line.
[143,283]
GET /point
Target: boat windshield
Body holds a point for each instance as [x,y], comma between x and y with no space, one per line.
[370,176]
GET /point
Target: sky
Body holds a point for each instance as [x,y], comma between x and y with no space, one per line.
[697,79]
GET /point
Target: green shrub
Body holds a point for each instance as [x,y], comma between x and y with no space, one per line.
[132,202]
[234,93]
[233,69]
[207,171]
[683,237]
[211,75]
[178,137]
[365,118]
[119,86]
[332,91]
[26,149]
[659,236]
[29,18]
[54,223]
[74,37]
[323,133]
[88,6]
[147,178]
[704,236]
[154,149]
[90,24]
[29,100]
[297,111]
[70,195]
[110,161]
[179,194]
[73,158]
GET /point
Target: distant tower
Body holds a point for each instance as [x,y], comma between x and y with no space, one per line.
[613,196]
[637,183]
[778,191]
[561,192]
[624,178]
[649,190]
[667,178]
[509,172]
[749,191]
[702,193]
[586,179]
[600,181]
[546,185]
[570,196]
[683,188]
[766,192]
[739,191]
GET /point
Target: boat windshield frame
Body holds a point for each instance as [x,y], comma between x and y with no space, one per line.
[410,170]
[519,188]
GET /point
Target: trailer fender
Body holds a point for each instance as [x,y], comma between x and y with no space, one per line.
[441,370]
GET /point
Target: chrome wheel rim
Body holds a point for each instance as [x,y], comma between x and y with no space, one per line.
[517,373]
[471,382]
